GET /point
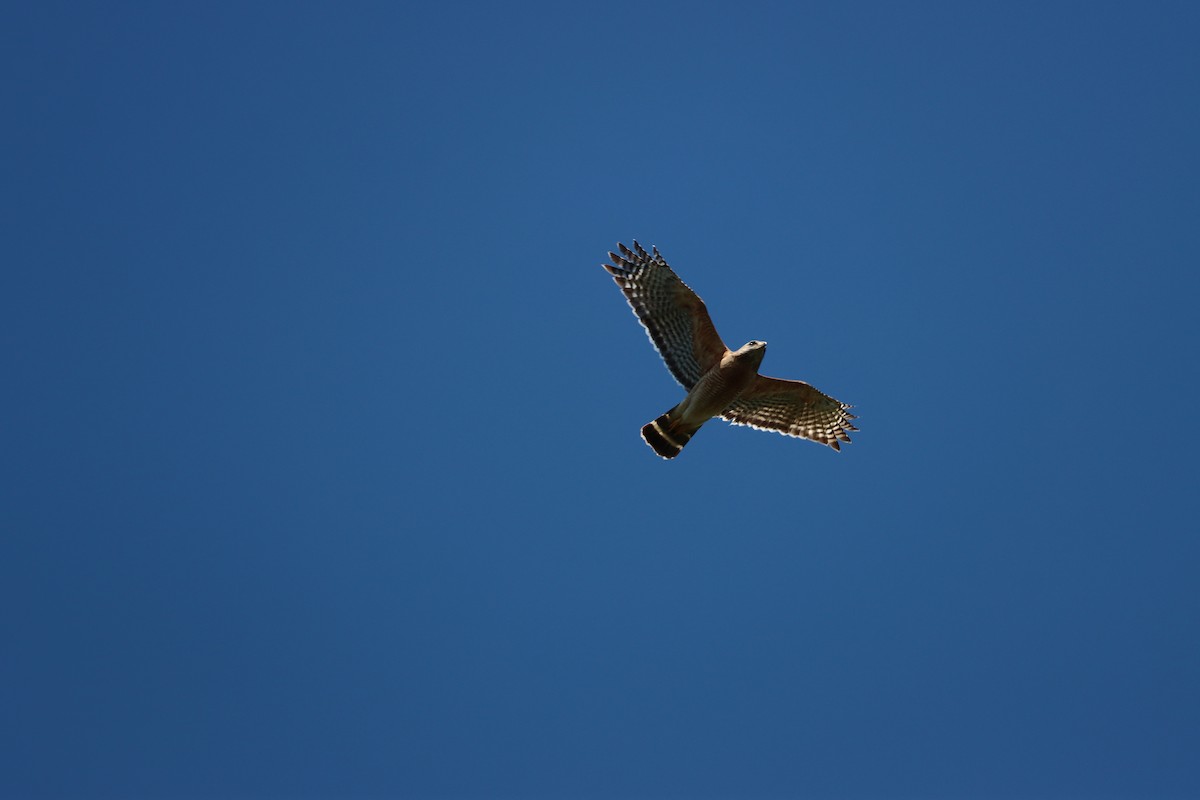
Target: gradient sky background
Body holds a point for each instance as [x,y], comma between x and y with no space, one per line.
[321,468]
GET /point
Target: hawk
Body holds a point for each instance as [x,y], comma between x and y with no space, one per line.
[720,382]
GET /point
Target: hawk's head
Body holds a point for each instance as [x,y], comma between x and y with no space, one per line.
[751,353]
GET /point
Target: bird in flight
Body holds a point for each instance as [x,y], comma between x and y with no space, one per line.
[720,382]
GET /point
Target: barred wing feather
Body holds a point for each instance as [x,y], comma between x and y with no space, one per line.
[792,408]
[672,314]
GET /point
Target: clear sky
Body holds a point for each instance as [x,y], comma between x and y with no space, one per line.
[321,467]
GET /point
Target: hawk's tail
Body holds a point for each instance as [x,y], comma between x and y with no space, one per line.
[667,435]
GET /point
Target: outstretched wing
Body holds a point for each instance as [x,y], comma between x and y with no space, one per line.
[792,408]
[672,314]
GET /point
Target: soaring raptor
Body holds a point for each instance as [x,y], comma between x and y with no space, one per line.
[719,381]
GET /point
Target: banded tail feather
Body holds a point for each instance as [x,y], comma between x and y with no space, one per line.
[666,436]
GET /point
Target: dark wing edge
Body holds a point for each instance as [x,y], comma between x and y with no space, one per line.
[793,408]
[674,316]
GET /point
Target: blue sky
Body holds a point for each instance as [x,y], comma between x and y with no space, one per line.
[321,459]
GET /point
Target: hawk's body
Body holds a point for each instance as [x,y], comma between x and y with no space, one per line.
[720,382]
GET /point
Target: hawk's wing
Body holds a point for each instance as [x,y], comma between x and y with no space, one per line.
[792,408]
[675,318]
